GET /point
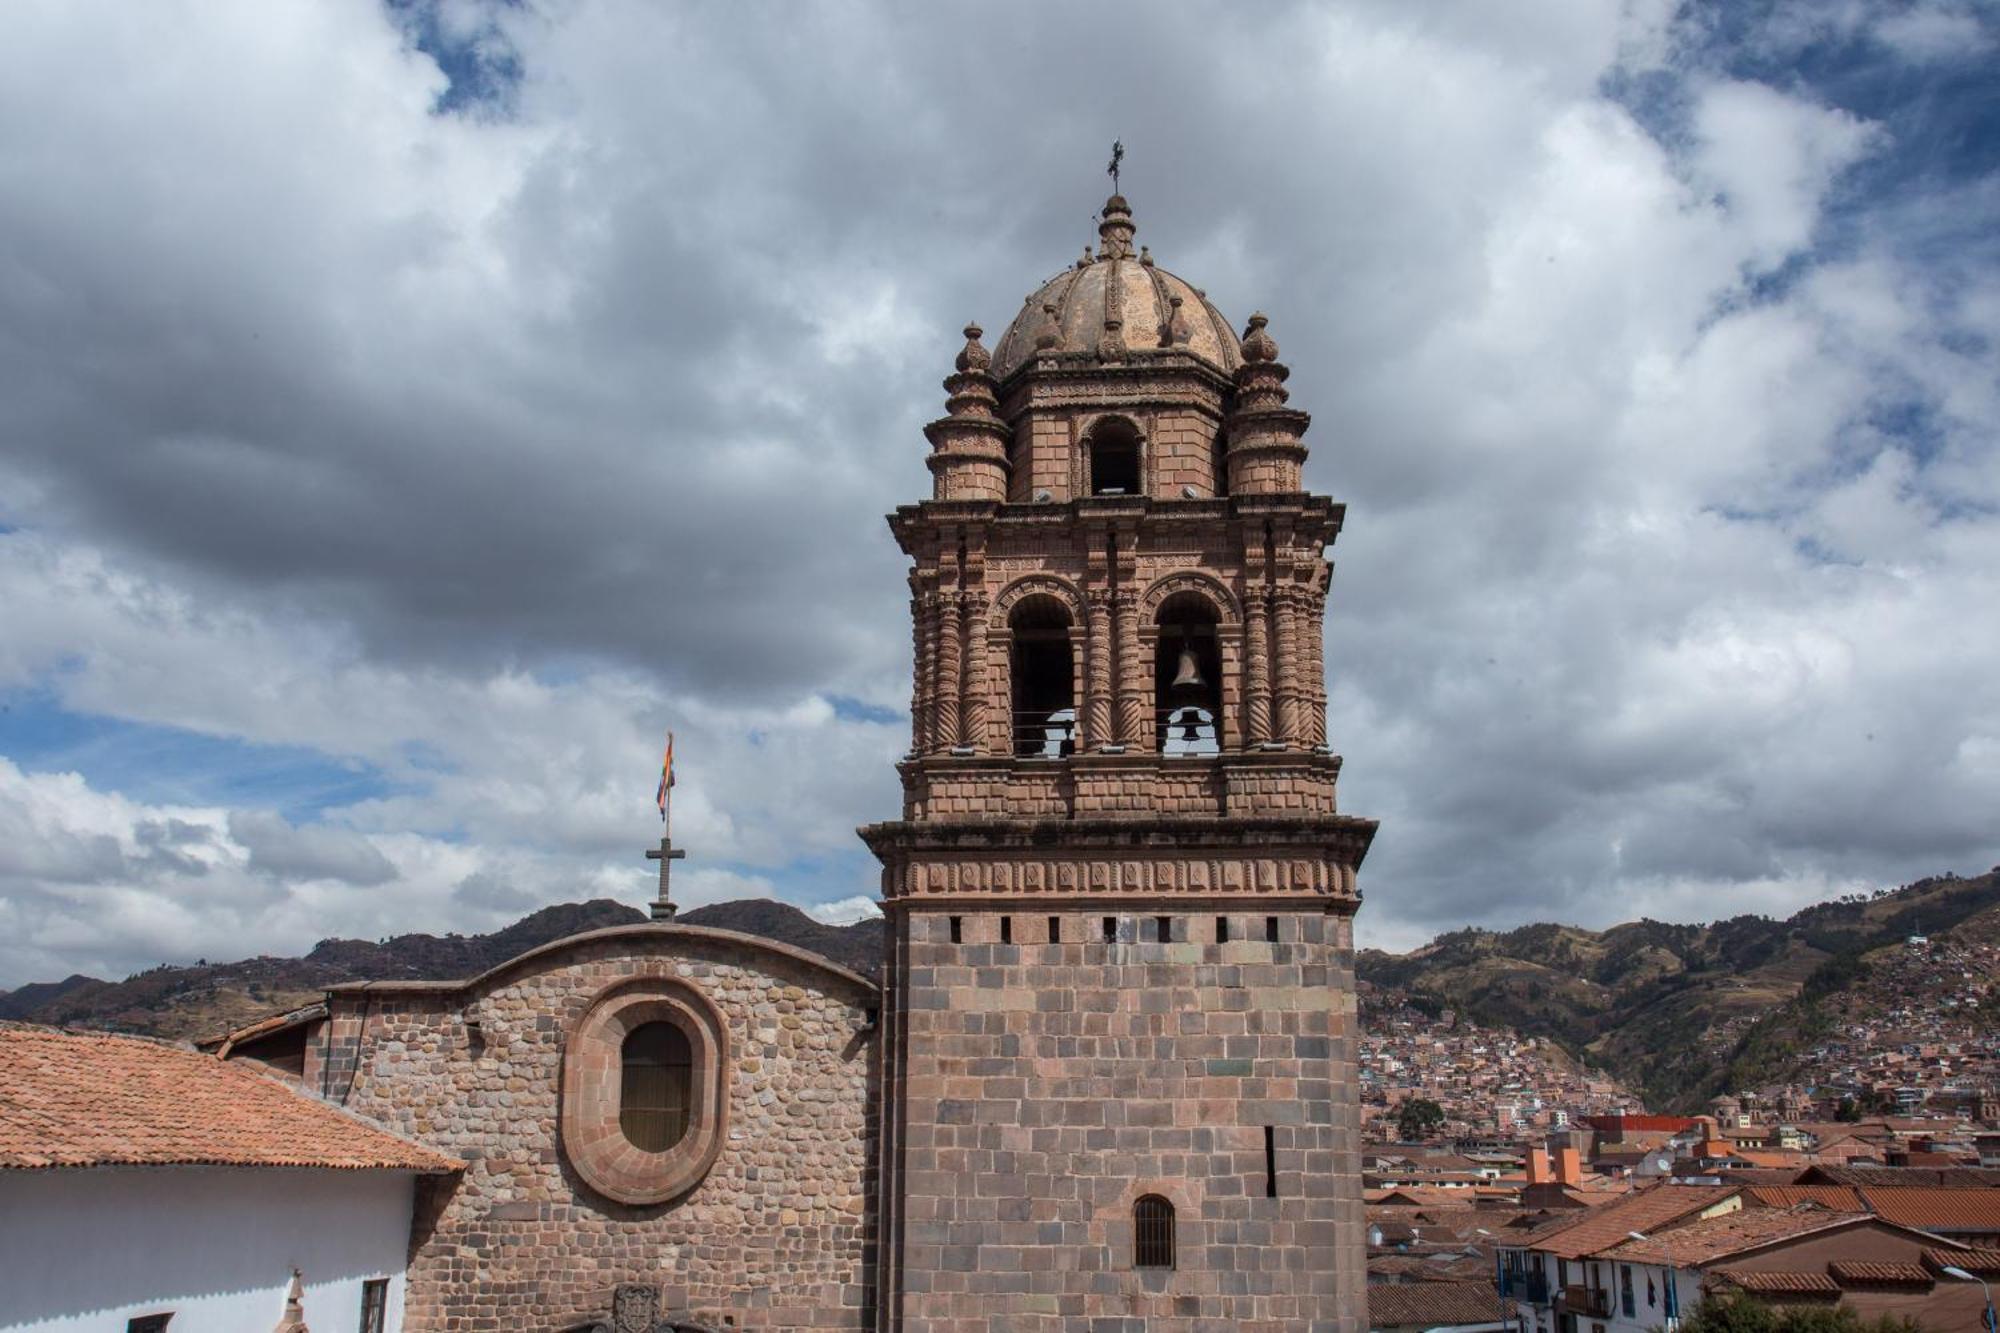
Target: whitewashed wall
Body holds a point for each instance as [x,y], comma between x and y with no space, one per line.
[82,1251]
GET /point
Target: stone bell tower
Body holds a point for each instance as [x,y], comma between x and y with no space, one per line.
[1120,1012]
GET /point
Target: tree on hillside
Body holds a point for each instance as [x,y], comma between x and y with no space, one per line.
[1848,1112]
[1740,1314]
[1418,1118]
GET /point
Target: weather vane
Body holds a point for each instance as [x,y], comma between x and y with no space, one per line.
[1117,156]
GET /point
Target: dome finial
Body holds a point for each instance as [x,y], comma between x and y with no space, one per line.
[1117,229]
[974,356]
[1257,344]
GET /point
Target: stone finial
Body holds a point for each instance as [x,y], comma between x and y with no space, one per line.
[1087,260]
[1146,256]
[295,1307]
[1257,344]
[1178,332]
[1116,229]
[1050,334]
[974,356]
[1111,347]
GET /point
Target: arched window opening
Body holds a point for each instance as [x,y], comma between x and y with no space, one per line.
[1152,1233]
[1114,458]
[1187,677]
[657,1091]
[1043,679]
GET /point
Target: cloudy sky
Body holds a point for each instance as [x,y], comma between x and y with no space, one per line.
[408,413]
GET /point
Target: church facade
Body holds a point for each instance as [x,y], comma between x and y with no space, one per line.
[1106,1078]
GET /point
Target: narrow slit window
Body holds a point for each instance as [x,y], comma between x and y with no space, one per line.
[149,1323]
[375,1305]
[1006,930]
[1270,1162]
[1110,930]
[1166,928]
[958,930]
[1055,930]
[1152,1233]
[1271,929]
[1222,930]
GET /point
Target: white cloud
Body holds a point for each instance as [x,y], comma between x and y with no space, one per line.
[474,450]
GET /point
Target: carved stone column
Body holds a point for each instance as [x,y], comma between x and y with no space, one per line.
[1135,677]
[1290,668]
[1314,618]
[1097,672]
[950,654]
[1256,668]
[923,648]
[972,696]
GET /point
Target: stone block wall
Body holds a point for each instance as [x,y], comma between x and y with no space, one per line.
[777,1235]
[1040,1087]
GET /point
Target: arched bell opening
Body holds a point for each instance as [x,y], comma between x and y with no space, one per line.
[1042,668]
[1187,677]
[1114,458]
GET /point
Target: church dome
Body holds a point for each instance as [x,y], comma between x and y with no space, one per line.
[1116,305]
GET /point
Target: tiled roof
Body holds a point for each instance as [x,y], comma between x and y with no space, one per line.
[1974,1210]
[1779,1284]
[1877,1177]
[1862,1273]
[1646,1210]
[1986,1263]
[1840,1197]
[74,1099]
[1702,1242]
[1433,1303]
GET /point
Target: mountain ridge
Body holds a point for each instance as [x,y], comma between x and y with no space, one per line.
[1678,1012]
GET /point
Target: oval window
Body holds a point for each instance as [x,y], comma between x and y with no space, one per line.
[657,1091]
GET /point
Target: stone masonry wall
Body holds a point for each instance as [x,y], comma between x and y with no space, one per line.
[1045,1086]
[775,1237]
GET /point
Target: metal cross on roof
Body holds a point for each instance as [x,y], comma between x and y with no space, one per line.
[666,854]
[1117,156]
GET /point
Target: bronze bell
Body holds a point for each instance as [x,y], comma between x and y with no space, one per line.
[1188,689]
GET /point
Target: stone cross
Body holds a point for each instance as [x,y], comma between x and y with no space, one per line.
[666,854]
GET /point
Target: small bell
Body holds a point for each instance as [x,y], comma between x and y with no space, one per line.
[1188,688]
[1190,725]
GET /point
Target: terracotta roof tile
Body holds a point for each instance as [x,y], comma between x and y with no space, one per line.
[75,1099]
[1779,1284]
[1865,1273]
[1933,1209]
[1703,1242]
[1986,1263]
[1605,1226]
[1840,1197]
[1433,1303]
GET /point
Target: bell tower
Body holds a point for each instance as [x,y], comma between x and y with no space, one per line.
[1120,1014]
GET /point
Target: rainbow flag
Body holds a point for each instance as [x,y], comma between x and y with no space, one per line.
[666,778]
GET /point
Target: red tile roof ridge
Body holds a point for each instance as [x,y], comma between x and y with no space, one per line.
[1705,1240]
[1877,1273]
[1599,1228]
[1772,1282]
[74,1098]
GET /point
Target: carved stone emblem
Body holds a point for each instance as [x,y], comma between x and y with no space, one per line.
[635,1307]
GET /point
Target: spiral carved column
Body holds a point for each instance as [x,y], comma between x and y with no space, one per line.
[950,654]
[1097,671]
[1256,669]
[1134,679]
[1290,729]
[924,647]
[972,694]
